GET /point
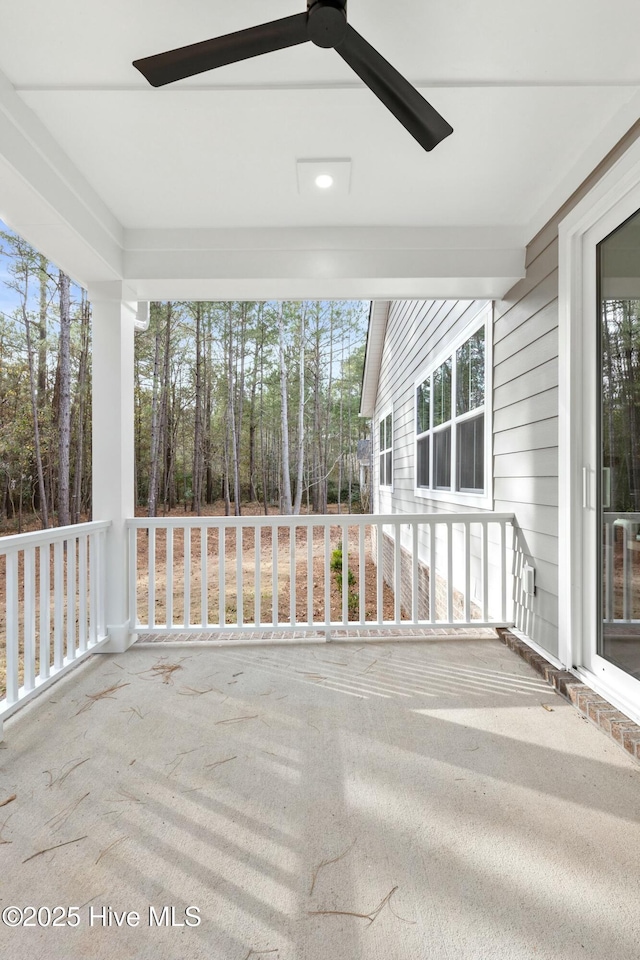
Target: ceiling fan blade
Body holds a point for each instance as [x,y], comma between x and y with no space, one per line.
[415,114]
[200,57]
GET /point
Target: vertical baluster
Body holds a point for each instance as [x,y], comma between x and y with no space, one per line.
[169,577]
[239,584]
[102,583]
[58,605]
[450,572]
[45,611]
[133,577]
[503,569]
[327,574]
[626,575]
[608,529]
[345,573]
[432,571]
[71,598]
[258,567]
[151,616]
[414,571]
[274,554]
[379,572]
[93,588]
[632,591]
[204,579]
[187,577]
[82,593]
[222,576]
[467,572]
[310,617]
[397,569]
[362,569]
[29,637]
[485,570]
[292,576]
[13,643]
[514,569]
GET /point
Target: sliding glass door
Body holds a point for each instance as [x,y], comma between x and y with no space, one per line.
[617,471]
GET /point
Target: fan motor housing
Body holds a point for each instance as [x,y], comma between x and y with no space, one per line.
[327,22]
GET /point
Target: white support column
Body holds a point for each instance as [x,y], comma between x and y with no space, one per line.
[113,318]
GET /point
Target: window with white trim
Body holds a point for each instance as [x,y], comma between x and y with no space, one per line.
[386,450]
[450,407]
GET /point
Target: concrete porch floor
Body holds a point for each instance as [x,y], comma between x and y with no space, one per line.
[286,791]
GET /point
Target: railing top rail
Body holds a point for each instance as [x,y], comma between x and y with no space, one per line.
[610,516]
[39,538]
[330,519]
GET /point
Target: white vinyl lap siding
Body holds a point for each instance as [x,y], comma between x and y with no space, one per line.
[417,332]
[525,417]
[526,432]
[525,402]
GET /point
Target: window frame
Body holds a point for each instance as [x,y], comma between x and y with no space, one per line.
[388,411]
[483,498]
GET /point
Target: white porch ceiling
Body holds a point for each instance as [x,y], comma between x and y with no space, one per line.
[194,185]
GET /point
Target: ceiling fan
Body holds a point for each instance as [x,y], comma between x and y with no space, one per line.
[325,24]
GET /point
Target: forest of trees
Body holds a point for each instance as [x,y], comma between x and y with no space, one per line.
[249,402]
[621,404]
[45,402]
[234,402]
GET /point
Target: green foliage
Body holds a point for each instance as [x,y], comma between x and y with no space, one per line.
[353,599]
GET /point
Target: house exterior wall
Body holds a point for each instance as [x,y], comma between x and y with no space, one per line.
[417,334]
[525,434]
[525,407]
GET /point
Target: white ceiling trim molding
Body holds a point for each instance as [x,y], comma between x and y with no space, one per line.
[329,238]
[46,200]
[340,262]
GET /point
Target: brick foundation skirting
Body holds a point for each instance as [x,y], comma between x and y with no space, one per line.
[591,705]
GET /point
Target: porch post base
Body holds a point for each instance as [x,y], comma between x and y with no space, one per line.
[120,638]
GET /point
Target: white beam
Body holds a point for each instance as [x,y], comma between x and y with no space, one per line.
[340,262]
[45,199]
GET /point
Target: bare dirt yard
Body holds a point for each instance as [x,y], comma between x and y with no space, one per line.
[256,552]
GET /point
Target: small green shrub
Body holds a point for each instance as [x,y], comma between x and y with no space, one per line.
[353,599]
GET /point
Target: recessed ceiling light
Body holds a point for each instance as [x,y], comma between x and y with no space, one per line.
[328,176]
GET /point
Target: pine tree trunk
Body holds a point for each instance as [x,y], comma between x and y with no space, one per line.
[253,495]
[64,419]
[36,426]
[300,457]
[284,421]
[155,435]
[232,422]
[42,365]
[196,503]
[81,405]
[263,462]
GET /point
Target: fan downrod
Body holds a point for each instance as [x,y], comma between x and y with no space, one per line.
[327,22]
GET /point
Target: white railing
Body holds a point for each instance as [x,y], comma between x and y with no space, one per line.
[247,574]
[54,605]
[621,567]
